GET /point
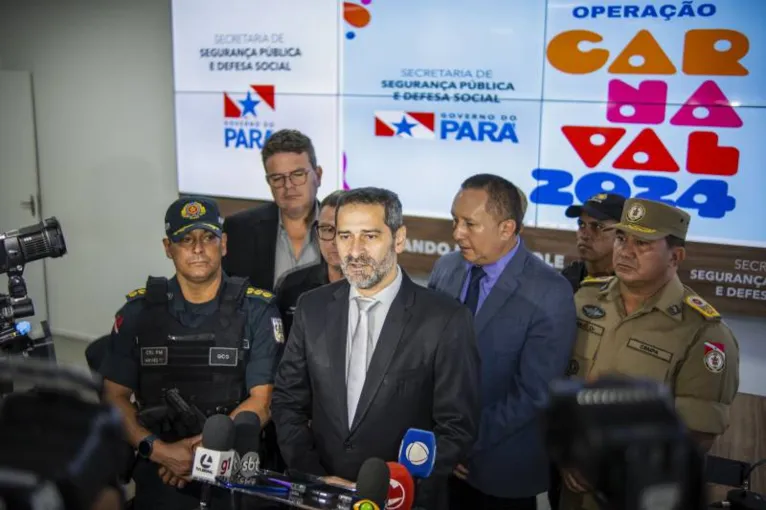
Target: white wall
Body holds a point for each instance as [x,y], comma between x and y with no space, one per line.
[102,73]
[103,87]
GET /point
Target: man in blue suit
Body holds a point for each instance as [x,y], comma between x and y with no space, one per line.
[525,326]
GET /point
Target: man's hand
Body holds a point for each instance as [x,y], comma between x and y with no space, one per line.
[461,472]
[574,481]
[169,478]
[177,459]
[341,482]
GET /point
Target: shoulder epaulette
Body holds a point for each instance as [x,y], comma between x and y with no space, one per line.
[136,294]
[600,280]
[254,292]
[702,307]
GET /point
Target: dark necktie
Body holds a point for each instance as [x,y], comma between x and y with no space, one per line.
[474,286]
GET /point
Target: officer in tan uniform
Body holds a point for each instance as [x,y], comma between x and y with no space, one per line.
[643,322]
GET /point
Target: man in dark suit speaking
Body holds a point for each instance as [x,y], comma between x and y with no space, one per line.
[373,355]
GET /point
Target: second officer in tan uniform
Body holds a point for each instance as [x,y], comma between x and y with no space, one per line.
[644,322]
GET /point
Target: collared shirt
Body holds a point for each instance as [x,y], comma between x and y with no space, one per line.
[285,260]
[377,314]
[493,272]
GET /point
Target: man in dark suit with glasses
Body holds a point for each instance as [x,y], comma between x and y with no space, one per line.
[272,240]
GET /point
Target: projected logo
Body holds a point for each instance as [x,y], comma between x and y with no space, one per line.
[660,168]
[473,127]
[248,117]
[358,16]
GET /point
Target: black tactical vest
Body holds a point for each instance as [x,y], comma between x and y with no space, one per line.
[206,363]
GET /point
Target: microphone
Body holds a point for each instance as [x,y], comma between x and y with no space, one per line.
[418,452]
[247,443]
[365,504]
[372,485]
[215,457]
[401,488]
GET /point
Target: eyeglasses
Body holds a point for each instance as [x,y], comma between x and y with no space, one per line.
[326,232]
[594,226]
[297,178]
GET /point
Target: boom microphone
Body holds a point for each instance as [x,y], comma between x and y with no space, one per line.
[418,452]
[401,489]
[372,484]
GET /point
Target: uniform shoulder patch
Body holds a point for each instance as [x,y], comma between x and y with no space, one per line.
[702,307]
[599,280]
[136,294]
[254,292]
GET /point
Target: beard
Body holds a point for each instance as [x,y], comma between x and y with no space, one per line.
[364,272]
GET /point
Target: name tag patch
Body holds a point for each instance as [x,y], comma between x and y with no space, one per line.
[223,357]
[154,356]
[589,327]
[651,350]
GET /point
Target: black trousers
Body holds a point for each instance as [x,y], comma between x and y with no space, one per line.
[463,496]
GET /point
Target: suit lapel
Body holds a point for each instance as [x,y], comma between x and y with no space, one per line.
[336,332]
[504,288]
[390,336]
[266,238]
[456,277]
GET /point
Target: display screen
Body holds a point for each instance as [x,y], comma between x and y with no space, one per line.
[661,100]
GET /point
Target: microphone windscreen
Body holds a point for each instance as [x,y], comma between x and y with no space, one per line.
[247,434]
[418,452]
[218,433]
[401,489]
[373,481]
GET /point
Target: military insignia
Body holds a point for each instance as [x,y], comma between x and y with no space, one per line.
[193,211]
[255,292]
[703,307]
[674,310]
[636,212]
[590,280]
[593,311]
[598,198]
[573,367]
[279,332]
[117,323]
[715,357]
[130,296]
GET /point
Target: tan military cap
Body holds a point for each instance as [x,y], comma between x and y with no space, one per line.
[652,220]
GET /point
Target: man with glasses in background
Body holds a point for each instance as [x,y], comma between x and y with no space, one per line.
[327,271]
[274,239]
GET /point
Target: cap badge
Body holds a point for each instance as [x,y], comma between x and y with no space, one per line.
[635,213]
[598,198]
[192,211]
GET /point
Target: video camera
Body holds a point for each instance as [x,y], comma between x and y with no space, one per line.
[17,248]
[623,438]
[61,448]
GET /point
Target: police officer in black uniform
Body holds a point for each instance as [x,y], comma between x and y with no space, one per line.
[596,219]
[212,337]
